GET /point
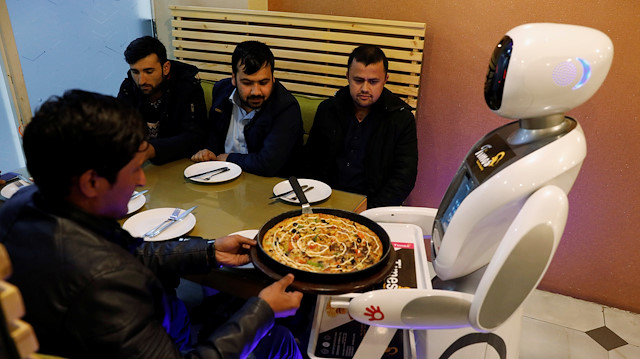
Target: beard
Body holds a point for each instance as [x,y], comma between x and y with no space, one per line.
[151,91]
[254,102]
[147,90]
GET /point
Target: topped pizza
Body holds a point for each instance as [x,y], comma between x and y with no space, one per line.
[322,243]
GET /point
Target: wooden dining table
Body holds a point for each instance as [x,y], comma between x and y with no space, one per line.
[239,204]
[242,203]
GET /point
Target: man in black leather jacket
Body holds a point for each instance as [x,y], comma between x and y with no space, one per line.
[169,96]
[89,288]
[254,121]
[364,138]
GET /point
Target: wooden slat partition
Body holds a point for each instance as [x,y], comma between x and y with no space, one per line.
[311,50]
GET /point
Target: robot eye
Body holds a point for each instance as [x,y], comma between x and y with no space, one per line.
[586,73]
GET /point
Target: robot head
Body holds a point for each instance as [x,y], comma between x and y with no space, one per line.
[543,69]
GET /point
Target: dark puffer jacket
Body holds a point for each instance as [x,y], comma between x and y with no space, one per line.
[391,161]
[91,290]
[183,114]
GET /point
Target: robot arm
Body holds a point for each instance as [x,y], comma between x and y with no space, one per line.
[412,308]
[522,258]
[516,268]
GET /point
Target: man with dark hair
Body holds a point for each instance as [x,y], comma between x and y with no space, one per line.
[90,289]
[254,121]
[169,96]
[364,138]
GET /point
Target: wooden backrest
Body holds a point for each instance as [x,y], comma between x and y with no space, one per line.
[311,51]
[17,338]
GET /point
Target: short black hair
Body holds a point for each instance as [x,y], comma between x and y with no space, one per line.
[368,54]
[253,55]
[143,47]
[77,132]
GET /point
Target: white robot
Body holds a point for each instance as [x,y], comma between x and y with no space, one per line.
[502,217]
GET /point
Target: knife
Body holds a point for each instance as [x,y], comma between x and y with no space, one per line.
[219,170]
[136,195]
[285,193]
[180,217]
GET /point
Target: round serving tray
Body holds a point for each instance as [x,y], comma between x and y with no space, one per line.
[355,284]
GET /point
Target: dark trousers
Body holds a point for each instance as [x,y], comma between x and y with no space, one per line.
[277,344]
[209,312]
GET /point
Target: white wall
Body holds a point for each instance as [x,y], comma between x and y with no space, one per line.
[10,146]
[65,44]
[75,43]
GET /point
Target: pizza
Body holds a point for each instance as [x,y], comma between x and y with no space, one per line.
[322,243]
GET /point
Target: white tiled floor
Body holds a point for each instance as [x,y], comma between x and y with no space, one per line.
[555,326]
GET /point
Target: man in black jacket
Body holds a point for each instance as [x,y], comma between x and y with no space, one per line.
[169,96]
[253,121]
[90,289]
[364,138]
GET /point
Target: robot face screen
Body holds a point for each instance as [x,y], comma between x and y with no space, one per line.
[494,84]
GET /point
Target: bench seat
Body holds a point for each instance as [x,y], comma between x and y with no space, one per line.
[311,50]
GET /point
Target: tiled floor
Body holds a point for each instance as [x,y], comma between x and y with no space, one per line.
[560,327]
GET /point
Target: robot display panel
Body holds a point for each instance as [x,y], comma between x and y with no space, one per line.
[465,187]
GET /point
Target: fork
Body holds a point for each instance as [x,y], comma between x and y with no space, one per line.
[221,170]
[294,198]
[172,217]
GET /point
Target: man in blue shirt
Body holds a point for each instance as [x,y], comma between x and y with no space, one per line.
[254,121]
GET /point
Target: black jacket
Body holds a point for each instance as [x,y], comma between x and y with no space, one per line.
[182,122]
[90,289]
[391,162]
[273,135]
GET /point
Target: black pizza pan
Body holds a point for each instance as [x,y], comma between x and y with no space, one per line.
[324,282]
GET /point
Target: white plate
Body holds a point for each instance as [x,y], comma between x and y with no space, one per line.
[9,190]
[142,222]
[136,203]
[200,167]
[249,233]
[320,191]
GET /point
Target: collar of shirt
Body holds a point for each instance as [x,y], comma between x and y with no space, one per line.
[235,141]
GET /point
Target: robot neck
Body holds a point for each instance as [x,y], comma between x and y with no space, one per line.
[542,123]
[538,128]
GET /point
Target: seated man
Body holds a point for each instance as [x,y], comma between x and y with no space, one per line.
[364,139]
[254,121]
[90,289]
[169,96]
